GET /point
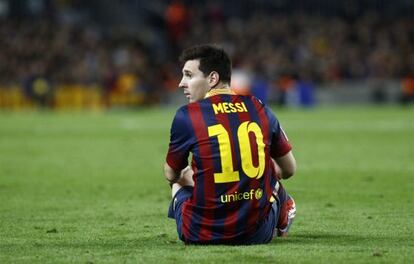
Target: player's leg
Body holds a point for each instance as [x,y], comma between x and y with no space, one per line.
[286,205]
[181,191]
[287,210]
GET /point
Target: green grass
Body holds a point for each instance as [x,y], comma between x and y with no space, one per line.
[89,188]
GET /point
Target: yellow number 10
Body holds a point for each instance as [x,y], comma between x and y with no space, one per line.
[227,174]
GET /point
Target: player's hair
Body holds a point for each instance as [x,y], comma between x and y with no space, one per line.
[212,58]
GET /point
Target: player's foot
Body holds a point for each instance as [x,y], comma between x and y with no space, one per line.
[291,213]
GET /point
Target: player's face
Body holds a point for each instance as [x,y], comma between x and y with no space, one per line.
[194,83]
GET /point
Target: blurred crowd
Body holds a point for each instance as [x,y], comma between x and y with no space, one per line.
[325,49]
[70,54]
[66,46]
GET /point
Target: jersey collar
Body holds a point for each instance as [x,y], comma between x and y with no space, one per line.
[217,91]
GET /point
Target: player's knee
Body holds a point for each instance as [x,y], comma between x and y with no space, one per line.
[175,188]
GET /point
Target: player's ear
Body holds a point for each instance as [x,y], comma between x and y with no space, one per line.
[213,79]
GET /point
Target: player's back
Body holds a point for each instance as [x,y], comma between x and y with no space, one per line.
[233,171]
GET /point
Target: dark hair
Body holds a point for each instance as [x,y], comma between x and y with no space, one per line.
[212,58]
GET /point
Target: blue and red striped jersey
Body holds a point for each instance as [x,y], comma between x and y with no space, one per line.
[232,139]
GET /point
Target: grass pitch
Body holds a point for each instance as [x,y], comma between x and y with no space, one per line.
[89,188]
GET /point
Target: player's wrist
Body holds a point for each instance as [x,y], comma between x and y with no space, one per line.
[173,179]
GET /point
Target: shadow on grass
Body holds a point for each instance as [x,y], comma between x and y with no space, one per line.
[331,238]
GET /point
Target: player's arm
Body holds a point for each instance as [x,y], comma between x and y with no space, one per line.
[176,165]
[170,174]
[280,149]
[287,165]
[281,152]
[183,177]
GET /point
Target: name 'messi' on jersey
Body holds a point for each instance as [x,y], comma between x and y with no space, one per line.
[228,108]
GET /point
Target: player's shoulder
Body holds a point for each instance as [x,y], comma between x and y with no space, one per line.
[181,119]
[261,106]
[198,105]
[256,102]
[181,114]
[185,110]
[182,108]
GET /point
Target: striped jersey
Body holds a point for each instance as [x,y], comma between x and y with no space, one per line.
[231,139]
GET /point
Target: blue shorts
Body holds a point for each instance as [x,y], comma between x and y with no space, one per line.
[264,233]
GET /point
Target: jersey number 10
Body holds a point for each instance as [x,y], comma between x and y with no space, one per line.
[227,174]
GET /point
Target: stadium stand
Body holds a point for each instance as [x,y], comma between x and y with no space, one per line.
[95,54]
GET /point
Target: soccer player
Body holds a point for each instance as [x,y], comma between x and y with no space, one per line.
[231,194]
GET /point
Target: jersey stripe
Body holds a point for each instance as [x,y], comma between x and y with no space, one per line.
[253,216]
[187,209]
[205,185]
[241,221]
[266,136]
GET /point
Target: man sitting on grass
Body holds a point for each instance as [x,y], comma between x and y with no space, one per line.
[232,192]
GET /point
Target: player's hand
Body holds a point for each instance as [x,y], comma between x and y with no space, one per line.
[186,177]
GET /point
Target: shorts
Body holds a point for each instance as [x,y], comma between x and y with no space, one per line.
[263,234]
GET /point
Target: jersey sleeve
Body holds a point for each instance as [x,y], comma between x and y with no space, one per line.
[180,141]
[280,145]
